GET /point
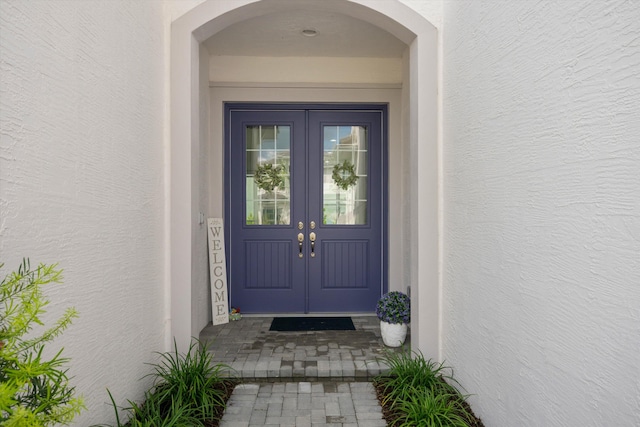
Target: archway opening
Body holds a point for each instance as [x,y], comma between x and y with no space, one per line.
[196,182]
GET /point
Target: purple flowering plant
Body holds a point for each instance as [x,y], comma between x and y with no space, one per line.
[394,307]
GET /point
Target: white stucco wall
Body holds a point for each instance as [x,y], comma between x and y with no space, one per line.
[82,137]
[541,315]
[430,9]
[201,295]
[542,210]
[291,70]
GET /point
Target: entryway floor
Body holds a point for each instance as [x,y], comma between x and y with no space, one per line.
[298,379]
[255,353]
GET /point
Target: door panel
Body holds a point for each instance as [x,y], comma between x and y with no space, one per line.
[315,175]
[265,272]
[346,275]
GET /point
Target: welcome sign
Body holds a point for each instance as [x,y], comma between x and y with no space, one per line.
[218,272]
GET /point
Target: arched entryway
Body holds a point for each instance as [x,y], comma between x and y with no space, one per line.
[190,147]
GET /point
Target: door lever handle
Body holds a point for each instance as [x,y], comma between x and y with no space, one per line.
[312,239]
[300,240]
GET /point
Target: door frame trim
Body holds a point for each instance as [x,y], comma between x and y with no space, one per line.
[230,106]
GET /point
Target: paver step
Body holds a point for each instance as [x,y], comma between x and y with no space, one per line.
[256,354]
[306,370]
[302,404]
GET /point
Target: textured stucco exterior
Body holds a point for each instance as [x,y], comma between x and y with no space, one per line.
[538,177]
[82,178]
[541,313]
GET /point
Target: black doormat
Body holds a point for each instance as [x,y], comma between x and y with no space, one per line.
[291,324]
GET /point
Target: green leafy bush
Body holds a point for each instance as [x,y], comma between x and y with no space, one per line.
[427,408]
[419,392]
[34,391]
[189,390]
[407,373]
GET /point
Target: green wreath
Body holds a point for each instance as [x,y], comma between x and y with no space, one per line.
[268,176]
[344,175]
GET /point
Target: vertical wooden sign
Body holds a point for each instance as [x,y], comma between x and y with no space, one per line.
[218,272]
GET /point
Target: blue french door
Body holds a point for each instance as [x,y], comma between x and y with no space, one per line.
[304,208]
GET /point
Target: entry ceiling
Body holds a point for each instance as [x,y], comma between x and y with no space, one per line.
[280,34]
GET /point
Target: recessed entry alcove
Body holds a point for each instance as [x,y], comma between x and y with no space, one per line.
[274,52]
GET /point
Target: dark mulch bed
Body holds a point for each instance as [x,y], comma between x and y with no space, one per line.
[226,387]
[390,415]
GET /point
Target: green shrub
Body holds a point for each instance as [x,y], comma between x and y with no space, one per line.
[155,413]
[407,373]
[191,378]
[427,408]
[421,392]
[188,390]
[34,391]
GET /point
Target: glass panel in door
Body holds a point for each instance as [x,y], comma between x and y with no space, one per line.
[267,178]
[345,170]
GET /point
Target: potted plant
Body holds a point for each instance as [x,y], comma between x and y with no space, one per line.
[394,312]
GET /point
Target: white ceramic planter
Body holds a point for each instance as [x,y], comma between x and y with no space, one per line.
[393,334]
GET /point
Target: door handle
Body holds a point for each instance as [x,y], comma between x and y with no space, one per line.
[300,240]
[312,239]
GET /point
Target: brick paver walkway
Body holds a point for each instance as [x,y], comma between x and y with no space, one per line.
[304,404]
[299,379]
